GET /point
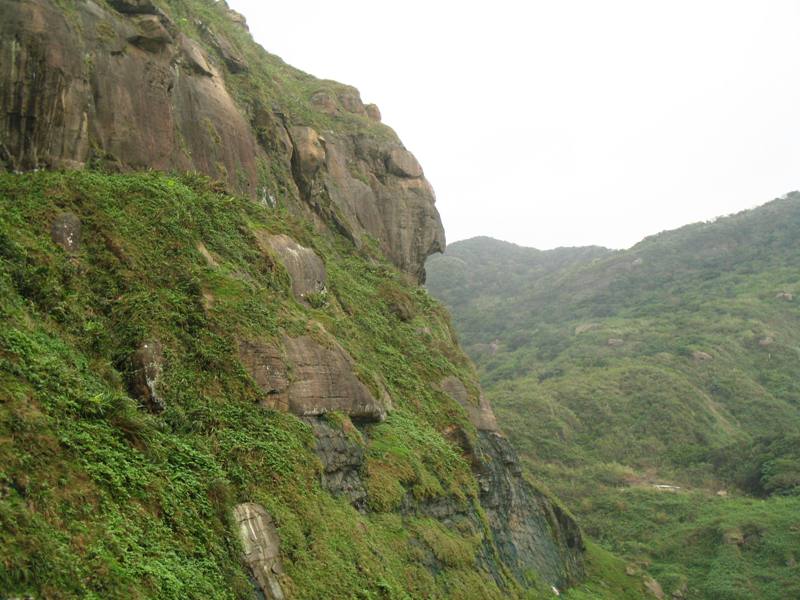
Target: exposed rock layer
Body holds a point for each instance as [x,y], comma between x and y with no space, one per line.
[130,89]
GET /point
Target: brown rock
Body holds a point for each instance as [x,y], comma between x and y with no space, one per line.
[230,55]
[351,102]
[237,18]
[324,102]
[151,36]
[267,366]
[654,588]
[195,57]
[309,153]
[305,268]
[66,232]
[147,365]
[373,112]
[398,212]
[323,381]
[261,546]
[482,415]
[132,109]
[403,164]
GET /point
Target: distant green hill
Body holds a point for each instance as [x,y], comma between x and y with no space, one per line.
[672,363]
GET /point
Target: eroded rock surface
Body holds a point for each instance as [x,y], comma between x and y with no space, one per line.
[261,546]
[304,266]
[530,532]
[147,364]
[122,86]
[66,232]
[307,379]
[342,458]
[481,414]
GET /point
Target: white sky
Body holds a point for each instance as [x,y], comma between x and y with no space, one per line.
[568,122]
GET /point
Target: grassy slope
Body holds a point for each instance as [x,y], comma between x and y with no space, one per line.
[99,499]
[601,423]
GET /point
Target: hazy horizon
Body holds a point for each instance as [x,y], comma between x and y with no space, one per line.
[573,123]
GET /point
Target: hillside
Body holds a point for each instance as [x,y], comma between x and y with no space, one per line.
[673,363]
[219,375]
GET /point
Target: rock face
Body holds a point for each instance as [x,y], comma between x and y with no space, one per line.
[124,86]
[530,532]
[304,267]
[385,197]
[341,458]
[306,378]
[261,548]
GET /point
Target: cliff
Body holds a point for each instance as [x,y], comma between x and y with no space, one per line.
[219,376]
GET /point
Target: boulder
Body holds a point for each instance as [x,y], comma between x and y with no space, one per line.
[480,415]
[147,364]
[305,268]
[403,164]
[262,547]
[307,379]
[66,232]
[373,112]
[323,380]
[151,36]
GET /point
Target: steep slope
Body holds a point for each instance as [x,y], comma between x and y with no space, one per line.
[673,363]
[226,382]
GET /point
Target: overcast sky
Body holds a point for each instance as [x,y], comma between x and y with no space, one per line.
[567,122]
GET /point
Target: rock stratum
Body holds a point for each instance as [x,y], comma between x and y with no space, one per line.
[219,377]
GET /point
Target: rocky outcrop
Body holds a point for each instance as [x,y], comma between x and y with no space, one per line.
[123,86]
[305,378]
[480,414]
[147,364]
[261,546]
[377,188]
[531,533]
[66,232]
[342,458]
[305,268]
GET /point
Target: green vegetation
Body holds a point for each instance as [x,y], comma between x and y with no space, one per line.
[672,363]
[101,499]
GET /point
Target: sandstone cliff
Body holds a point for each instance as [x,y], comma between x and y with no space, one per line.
[132,85]
[227,371]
